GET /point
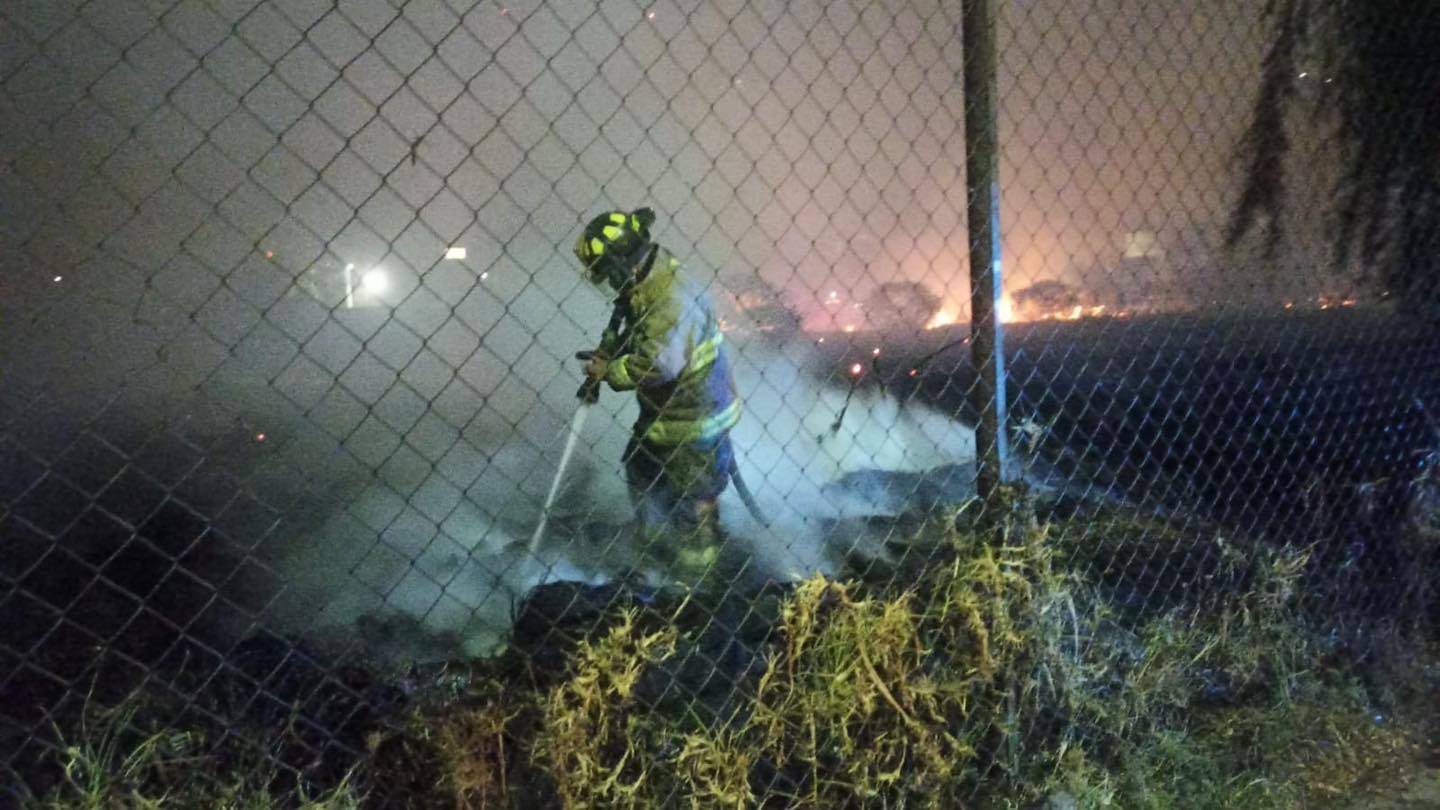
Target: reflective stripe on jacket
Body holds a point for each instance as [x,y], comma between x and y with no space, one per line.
[675,359]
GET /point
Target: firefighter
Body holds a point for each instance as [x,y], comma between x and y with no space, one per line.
[669,350]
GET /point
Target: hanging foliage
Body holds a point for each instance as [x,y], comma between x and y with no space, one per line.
[1380,101]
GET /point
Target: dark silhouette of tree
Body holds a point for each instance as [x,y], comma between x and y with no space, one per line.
[901,305]
[1377,63]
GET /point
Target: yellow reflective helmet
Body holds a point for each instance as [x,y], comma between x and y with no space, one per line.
[611,242]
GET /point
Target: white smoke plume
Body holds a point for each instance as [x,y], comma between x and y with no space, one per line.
[383,574]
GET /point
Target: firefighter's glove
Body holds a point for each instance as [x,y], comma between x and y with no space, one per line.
[597,367]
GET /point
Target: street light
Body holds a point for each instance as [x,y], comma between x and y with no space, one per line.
[375,282]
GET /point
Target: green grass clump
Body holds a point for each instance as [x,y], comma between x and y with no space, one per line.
[117,764]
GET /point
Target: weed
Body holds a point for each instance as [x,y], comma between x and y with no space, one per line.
[117,764]
[1033,669]
[592,737]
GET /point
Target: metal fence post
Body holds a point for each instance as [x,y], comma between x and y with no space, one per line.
[983,218]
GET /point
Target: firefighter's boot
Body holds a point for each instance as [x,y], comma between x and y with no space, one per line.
[699,548]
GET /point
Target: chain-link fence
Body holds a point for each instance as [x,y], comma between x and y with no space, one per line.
[290,309]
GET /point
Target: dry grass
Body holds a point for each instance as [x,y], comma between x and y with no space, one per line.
[1001,677]
[592,740]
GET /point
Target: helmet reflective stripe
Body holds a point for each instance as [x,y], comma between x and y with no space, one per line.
[610,240]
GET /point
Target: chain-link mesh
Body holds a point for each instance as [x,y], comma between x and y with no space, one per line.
[290,312]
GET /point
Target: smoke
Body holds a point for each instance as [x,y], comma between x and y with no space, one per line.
[391,575]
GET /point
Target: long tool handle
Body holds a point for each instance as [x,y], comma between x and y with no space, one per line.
[577,424]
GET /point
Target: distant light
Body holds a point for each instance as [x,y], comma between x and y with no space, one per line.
[269,254]
[947,317]
[504,11]
[876,351]
[650,15]
[58,278]
[484,276]
[1329,80]
[1304,73]
[349,267]
[849,329]
[375,282]
[914,372]
[455,253]
[821,340]
[259,437]
[856,369]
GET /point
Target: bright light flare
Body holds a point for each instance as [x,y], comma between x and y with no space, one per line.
[856,370]
[375,282]
[943,318]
